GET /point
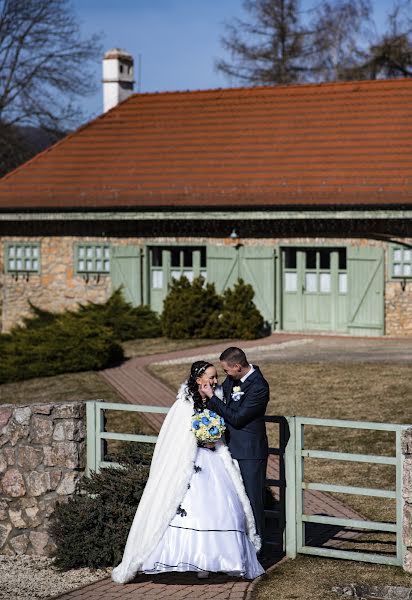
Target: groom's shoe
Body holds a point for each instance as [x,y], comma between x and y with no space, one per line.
[203,574]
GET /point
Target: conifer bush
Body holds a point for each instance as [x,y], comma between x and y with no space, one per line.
[187,308]
[87,339]
[126,321]
[62,346]
[195,310]
[239,317]
[91,529]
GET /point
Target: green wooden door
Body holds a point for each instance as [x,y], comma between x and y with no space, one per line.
[126,271]
[366,286]
[223,266]
[314,289]
[254,264]
[257,267]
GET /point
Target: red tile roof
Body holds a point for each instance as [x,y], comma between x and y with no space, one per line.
[328,144]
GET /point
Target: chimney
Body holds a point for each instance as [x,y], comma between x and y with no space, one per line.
[117,77]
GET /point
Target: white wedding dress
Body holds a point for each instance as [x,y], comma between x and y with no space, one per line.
[213,528]
[208,533]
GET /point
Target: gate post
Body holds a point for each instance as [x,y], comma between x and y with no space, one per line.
[91,436]
[290,496]
[405,499]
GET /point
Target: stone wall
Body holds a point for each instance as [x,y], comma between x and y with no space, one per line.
[406,442]
[56,287]
[42,456]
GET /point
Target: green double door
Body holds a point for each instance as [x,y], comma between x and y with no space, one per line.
[296,288]
[333,289]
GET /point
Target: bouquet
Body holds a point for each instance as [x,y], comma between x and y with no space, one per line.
[207,426]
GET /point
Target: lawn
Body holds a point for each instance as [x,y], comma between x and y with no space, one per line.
[312,578]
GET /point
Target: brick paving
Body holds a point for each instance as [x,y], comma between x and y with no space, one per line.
[135,384]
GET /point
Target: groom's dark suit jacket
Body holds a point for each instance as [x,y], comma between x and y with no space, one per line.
[245,425]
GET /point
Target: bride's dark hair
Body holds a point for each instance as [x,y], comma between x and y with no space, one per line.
[196,370]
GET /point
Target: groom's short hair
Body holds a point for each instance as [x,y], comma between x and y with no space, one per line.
[234,356]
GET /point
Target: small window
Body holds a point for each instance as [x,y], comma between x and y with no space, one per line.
[324,259]
[290,258]
[401,262]
[157,255]
[310,259]
[23,258]
[93,258]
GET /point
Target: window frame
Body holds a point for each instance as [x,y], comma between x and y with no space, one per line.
[24,270]
[402,262]
[94,246]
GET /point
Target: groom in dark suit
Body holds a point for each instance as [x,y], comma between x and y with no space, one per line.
[246,393]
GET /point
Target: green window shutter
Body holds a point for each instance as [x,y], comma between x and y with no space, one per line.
[126,272]
[222,266]
[365,290]
[257,267]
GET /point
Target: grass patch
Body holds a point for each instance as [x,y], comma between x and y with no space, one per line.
[312,578]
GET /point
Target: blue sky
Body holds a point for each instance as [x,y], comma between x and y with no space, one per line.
[178,40]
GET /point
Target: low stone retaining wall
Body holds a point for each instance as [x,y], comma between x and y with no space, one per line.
[42,456]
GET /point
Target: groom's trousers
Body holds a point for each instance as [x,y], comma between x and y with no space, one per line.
[254,478]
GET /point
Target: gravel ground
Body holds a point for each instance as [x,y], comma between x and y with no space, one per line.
[34,577]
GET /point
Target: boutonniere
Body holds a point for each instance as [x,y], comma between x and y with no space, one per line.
[236,393]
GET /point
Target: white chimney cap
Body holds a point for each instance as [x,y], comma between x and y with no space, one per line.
[118,53]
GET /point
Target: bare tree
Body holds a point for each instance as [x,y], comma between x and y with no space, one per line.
[336,34]
[336,40]
[269,48]
[45,66]
[390,55]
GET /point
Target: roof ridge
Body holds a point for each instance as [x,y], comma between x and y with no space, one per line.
[257,88]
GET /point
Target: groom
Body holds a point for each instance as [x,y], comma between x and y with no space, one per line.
[247,394]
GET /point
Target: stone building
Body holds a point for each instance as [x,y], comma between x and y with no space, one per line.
[305,191]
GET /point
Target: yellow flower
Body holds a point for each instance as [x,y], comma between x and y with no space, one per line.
[236,389]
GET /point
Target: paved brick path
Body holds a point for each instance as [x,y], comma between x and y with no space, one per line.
[135,384]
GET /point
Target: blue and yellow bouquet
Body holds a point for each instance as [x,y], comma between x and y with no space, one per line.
[207,426]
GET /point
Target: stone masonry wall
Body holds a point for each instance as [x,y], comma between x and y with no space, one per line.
[42,456]
[406,441]
[55,288]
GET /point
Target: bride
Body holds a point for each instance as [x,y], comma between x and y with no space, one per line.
[194,514]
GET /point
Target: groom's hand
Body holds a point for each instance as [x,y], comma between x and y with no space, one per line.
[207,389]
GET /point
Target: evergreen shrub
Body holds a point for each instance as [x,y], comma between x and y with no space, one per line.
[187,308]
[195,310]
[126,321]
[65,345]
[239,318]
[91,529]
[87,339]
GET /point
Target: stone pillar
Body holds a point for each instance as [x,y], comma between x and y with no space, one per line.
[406,438]
[42,457]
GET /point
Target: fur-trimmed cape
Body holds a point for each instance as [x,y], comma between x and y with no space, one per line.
[170,472]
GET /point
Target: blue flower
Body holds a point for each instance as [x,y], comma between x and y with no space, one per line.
[222,421]
[205,421]
[212,414]
[213,430]
[196,424]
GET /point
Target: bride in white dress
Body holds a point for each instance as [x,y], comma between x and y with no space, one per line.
[194,514]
